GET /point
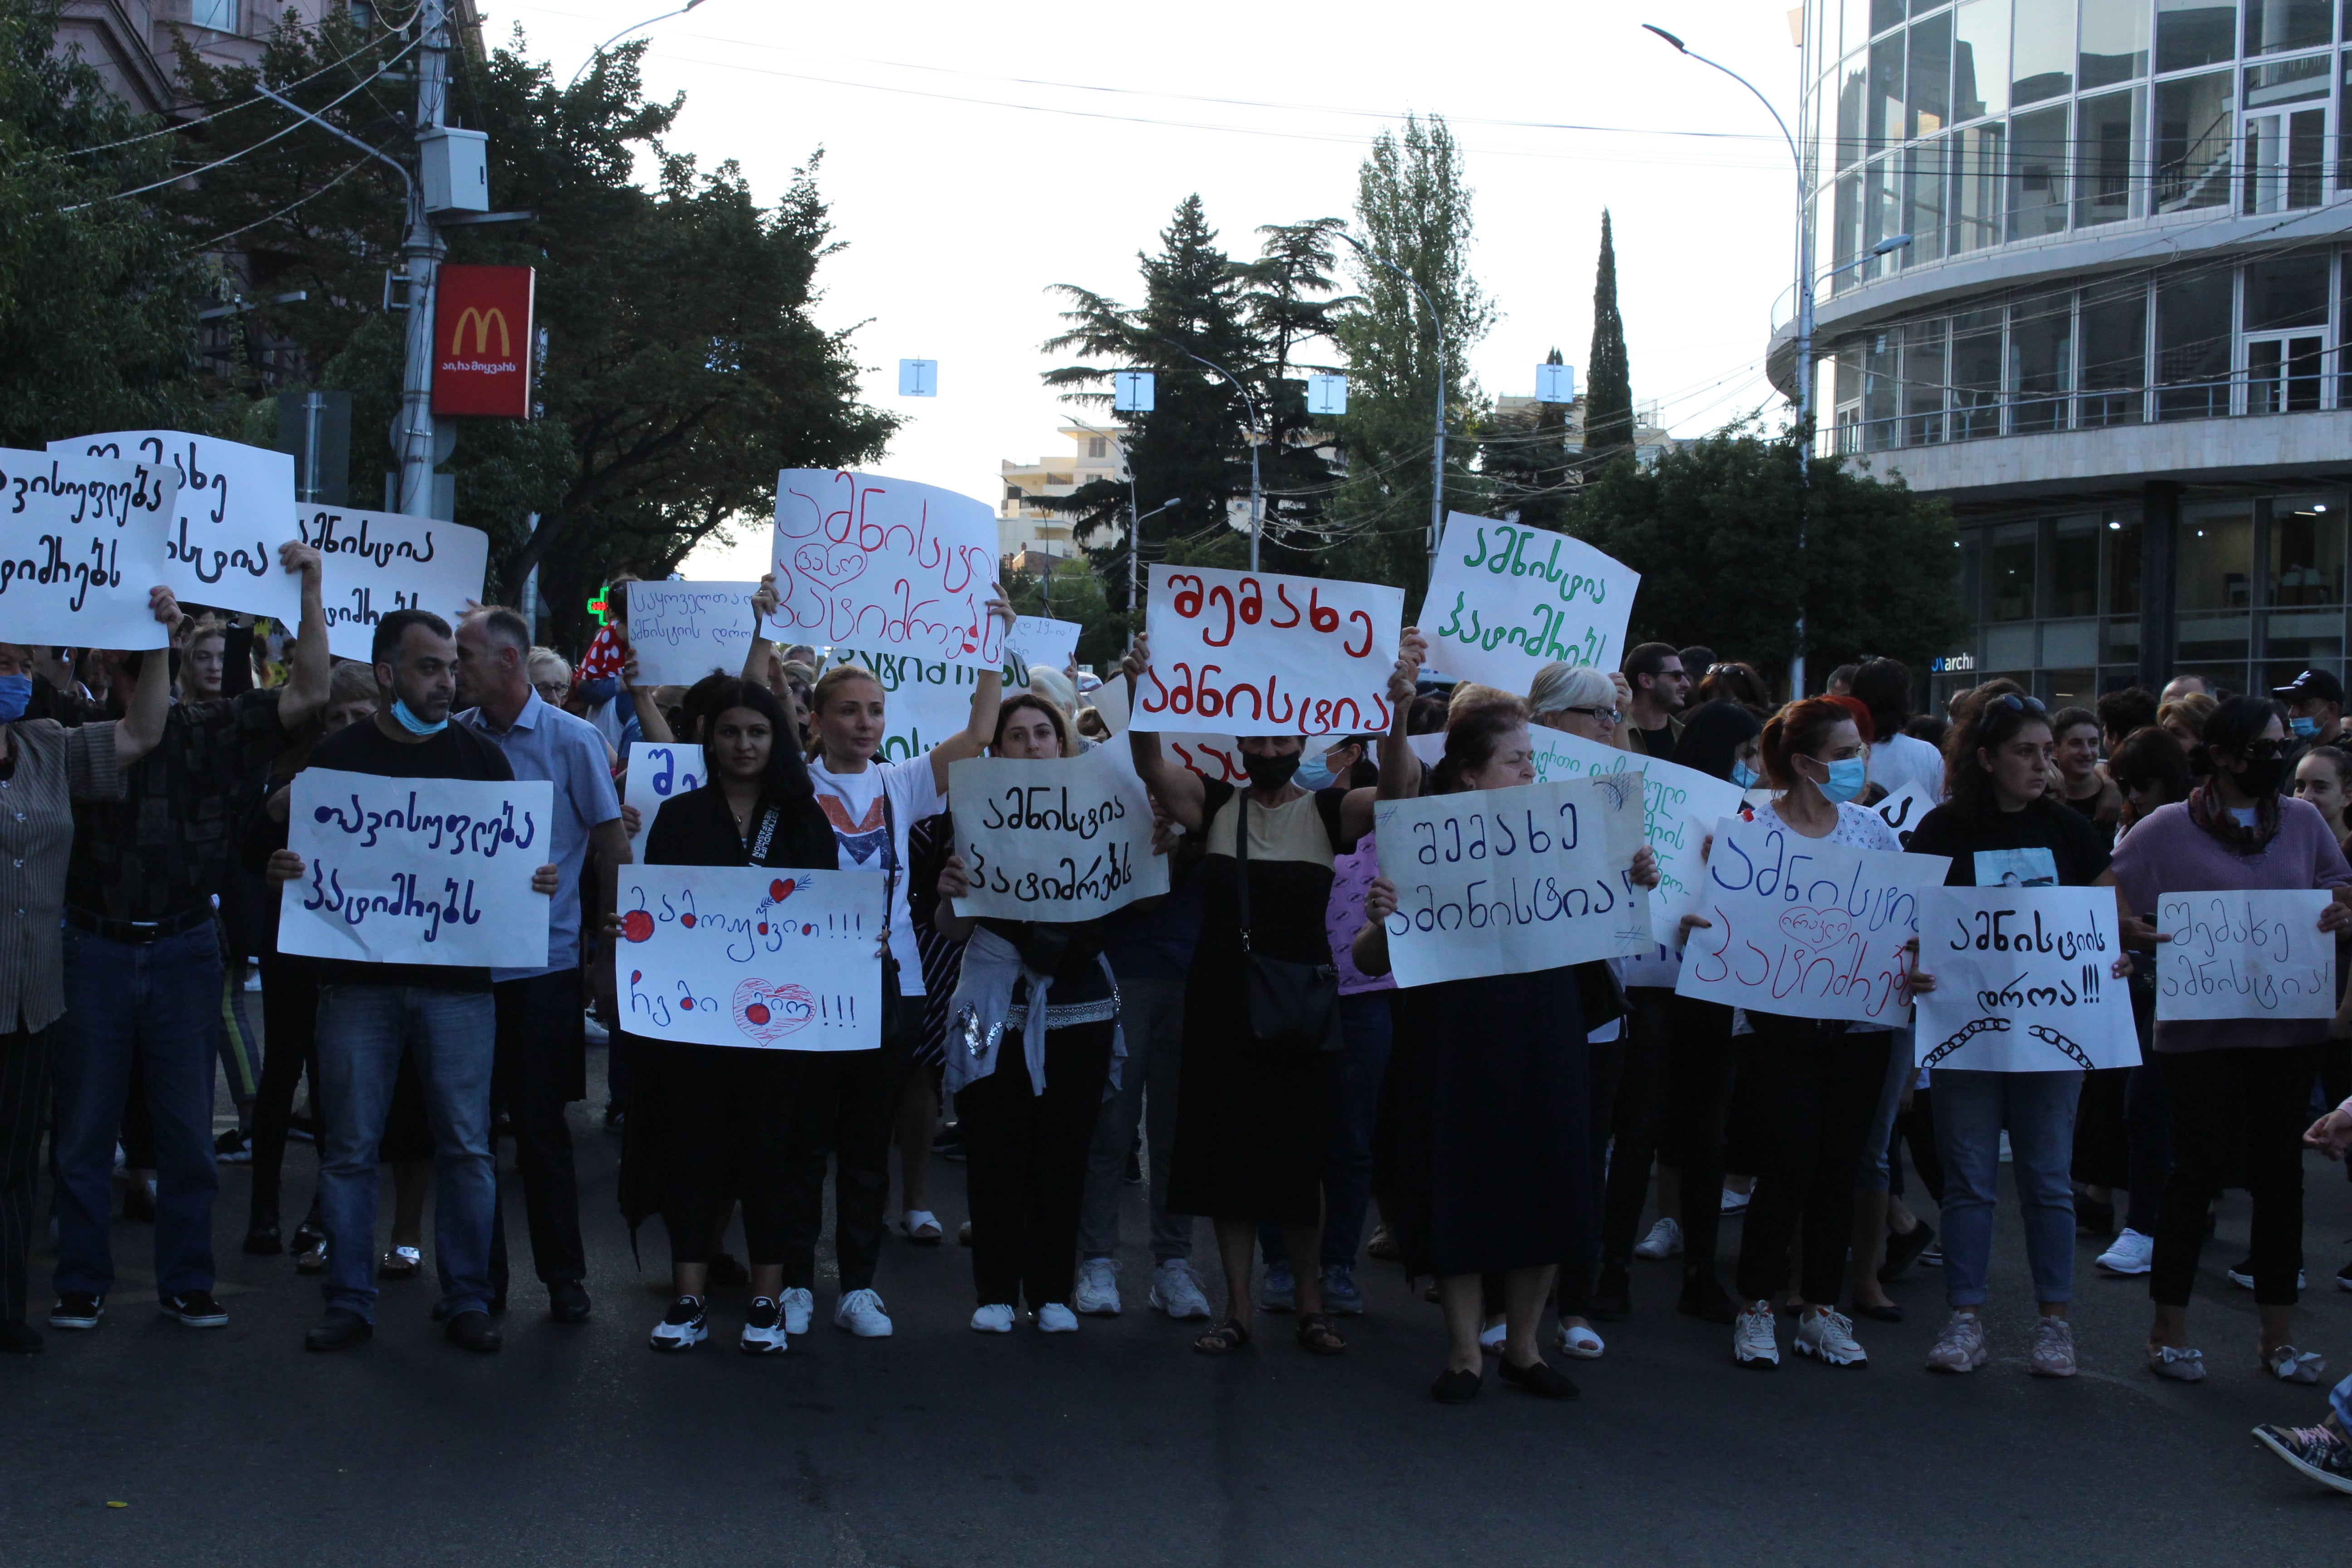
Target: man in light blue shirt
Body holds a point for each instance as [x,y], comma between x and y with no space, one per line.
[542,1044]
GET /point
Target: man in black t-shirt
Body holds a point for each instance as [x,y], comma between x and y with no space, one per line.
[370,1015]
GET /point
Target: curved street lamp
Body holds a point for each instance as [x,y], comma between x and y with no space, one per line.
[597,53]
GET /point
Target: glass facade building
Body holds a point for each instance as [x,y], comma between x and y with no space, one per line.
[2110,328]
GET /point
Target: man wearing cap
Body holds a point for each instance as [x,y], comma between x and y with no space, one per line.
[2315,708]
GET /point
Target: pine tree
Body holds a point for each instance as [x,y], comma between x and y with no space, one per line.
[1609,386]
[1291,307]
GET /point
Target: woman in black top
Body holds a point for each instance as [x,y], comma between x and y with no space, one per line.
[708,1123]
[1027,1110]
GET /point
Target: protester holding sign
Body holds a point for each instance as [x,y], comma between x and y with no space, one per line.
[2239,1084]
[711,1124]
[1031,1035]
[2003,825]
[1496,1162]
[371,1015]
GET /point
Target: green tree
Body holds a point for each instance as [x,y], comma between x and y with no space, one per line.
[1290,306]
[681,369]
[1609,380]
[1713,528]
[1524,460]
[98,295]
[1413,208]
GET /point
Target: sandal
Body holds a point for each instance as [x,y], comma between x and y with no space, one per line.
[1315,1334]
[2180,1365]
[921,1227]
[1223,1340]
[2291,1365]
[401,1263]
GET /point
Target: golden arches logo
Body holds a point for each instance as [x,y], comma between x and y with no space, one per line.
[482,321]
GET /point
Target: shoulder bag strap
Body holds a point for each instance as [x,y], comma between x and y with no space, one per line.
[1241,861]
[767,833]
[889,858]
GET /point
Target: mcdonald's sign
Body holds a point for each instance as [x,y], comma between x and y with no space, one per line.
[483,341]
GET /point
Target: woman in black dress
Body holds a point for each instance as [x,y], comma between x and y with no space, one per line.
[708,1123]
[1251,1120]
[1493,1096]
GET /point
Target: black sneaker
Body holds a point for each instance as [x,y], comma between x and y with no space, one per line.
[1904,1250]
[196,1308]
[2317,1451]
[683,1327]
[2241,1275]
[78,1309]
[763,1328]
[234,1147]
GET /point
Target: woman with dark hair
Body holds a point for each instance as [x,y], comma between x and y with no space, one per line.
[1033,1025]
[1897,761]
[709,1124]
[2003,822]
[1494,1169]
[2151,771]
[1718,739]
[1736,683]
[2238,1086]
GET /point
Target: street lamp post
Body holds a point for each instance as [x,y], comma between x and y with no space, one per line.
[1437,457]
[1135,545]
[1257,492]
[633,27]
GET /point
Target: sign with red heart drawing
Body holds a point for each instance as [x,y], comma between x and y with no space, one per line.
[885,564]
[750,956]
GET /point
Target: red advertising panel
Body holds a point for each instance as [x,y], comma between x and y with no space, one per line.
[482,342]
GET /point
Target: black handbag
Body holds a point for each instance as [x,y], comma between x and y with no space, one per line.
[1292,1006]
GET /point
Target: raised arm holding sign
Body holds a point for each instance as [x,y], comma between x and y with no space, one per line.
[1506,600]
[861,561]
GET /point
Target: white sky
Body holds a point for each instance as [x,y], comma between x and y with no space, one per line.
[959,212]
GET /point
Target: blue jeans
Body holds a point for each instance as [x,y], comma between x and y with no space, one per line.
[162,1000]
[363,1032]
[2039,1109]
[1367,1030]
[1875,1174]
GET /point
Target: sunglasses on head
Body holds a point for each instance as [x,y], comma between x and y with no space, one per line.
[2016,704]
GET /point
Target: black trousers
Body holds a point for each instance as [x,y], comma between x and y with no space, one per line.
[1641,1104]
[843,1106]
[289,1047]
[23,1107]
[542,1065]
[726,1113]
[1026,1163]
[2242,1107]
[1605,1064]
[1698,1089]
[1811,1090]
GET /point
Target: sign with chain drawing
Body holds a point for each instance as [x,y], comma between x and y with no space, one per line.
[2024,981]
[750,956]
[1507,600]
[81,544]
[2245,954]
[1805,927]
[1061,839]
[235,507]
[1509,881]
[885,564]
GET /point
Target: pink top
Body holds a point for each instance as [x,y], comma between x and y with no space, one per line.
[1343,917]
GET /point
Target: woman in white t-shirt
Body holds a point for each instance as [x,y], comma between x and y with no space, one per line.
[850,1100]
[1896,762]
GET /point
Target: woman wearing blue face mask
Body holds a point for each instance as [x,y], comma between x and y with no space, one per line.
[1807,1087]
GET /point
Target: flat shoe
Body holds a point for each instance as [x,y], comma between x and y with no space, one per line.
[1455,1387]
[401,1263]
[1582,1343]
[2291,1365]
[1539,1378]
[1890,1312]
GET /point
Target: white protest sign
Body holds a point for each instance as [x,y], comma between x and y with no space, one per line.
[81,543]
[924,701]
[1509,882]
[418,870]
[681,632]
[1507,600]
[1037,640]
[2245,954]
[1806,928]
[750,956]
[378,562]
[1261,655]
[870,563]
[2024,981]
[1902,810]
[1217,758]
[236,506]
[1064,839]
[659,770]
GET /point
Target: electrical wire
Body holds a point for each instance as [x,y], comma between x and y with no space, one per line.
[176,126]
[299,201]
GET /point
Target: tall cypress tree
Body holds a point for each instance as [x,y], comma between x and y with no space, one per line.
[1609,386]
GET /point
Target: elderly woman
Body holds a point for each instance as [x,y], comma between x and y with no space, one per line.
[44,768]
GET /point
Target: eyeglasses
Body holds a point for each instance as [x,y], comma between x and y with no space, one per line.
[2016,704]
[551,689]
[1606,715]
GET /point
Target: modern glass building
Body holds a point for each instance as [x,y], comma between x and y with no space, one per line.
[2112,338]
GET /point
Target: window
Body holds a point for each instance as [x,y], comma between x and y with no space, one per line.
[1930,77]
[1923,201]
[221,15]
[2009,573]
[2121,529]
[1883,109]
[2037,173]
[1881,389]
[1853,82]
[1923,383]
[1976,375]
[2193,136]
[2194,32]
[2274,26]
[2043,66]
[2192,345]
[1882,215]
[1981,59]
[1098,445]
[2114,42]
[2307,551]
[2289,292]
[2114,353]
[2041,362]
[2285,145]
[2217,555]
[1886,14]
[1846,233]
[1857,23]
[2107,152]
[2074,566]
[1976,188]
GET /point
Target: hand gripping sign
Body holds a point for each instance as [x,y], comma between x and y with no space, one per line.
[81,543]
[681,632]
[2024,981]
[750,956]
[2245,954]
[870,563]
[1250,653]
[1506,600]
[1064,839]
[235,507]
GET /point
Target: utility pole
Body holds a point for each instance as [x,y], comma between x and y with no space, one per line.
[421,255]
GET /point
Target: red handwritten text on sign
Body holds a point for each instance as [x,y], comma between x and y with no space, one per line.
[1256,654]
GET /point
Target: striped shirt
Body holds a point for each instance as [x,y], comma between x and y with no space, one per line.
[49,767]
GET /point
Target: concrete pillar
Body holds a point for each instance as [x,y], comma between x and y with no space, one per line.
[2159,530]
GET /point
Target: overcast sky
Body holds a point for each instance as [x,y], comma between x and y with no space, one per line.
[976,154]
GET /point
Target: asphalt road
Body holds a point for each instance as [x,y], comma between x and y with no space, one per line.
[1116,1445]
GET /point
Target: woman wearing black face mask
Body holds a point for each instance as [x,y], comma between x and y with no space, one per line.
[1250,1126]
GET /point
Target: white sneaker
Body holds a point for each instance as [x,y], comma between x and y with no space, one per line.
[685,1326]
[1755,1341]
[2241,1275]
[1733,1203]
[1664,1240]
[1176,1291]
[993,1319]
[1053,1318]
[800,1308]
[1827,1335]
[2132,1253]
[1097,1293]
[1961,1346]
[861,1313]
[763,1328]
